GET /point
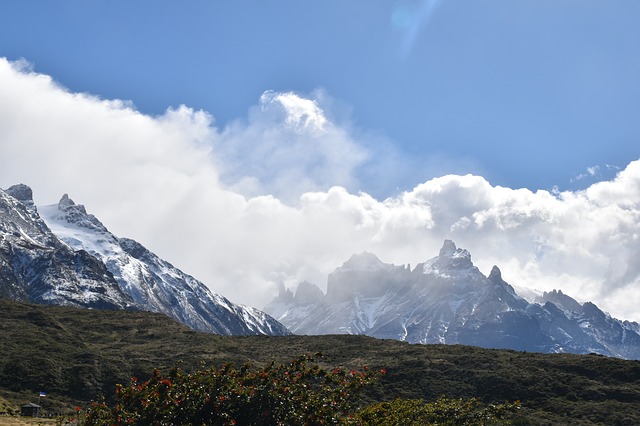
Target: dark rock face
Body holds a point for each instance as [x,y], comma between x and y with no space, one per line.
[448,300]
[87,266]
[307,294]
[22,193]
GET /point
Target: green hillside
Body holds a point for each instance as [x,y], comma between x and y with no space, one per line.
[76,355]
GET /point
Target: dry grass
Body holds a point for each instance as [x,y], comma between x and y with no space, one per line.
[25,421]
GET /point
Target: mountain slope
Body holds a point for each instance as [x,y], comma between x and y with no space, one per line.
[124,273]
[448,300]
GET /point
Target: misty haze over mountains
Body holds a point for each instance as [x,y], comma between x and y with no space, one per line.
[448,300]
[59,254]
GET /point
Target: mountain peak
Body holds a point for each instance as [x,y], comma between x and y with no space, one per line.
[24,195]
[561,300]
[308,293]
[67,203]
[495,275]
[363,274]
[452,257]
[47,270]
[448,249]
[68,211]
[21,192]
[363,261]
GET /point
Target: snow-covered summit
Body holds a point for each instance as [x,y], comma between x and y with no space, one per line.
[450,260]
[76,214]
[36,266]
[80,230]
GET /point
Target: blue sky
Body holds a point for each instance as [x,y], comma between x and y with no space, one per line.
[527,94]
[253,144]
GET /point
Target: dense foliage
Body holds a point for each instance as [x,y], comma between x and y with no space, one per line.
[297,393]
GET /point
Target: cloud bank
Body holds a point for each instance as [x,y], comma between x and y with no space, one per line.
[273,197]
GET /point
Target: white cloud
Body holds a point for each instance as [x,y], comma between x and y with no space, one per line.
[596,172]
[287,147]
[299,114]
[252,204]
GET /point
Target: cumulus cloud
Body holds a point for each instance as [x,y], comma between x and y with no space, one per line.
[286,147]
[248,206]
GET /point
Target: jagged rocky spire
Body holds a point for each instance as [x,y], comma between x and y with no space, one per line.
[495,275]
[448,248]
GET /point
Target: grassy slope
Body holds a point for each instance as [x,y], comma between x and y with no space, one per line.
[75,355]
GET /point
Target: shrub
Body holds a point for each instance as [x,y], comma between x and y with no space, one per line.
[297,393]
[444,411]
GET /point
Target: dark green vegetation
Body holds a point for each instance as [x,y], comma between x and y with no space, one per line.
[298,393]
[76,355]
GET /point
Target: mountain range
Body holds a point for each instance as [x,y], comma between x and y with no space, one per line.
[61,255]
[448,300]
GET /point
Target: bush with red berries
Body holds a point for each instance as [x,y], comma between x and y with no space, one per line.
[298,393]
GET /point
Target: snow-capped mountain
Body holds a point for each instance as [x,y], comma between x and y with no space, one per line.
[448,300]
[62,255]
[36,266]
